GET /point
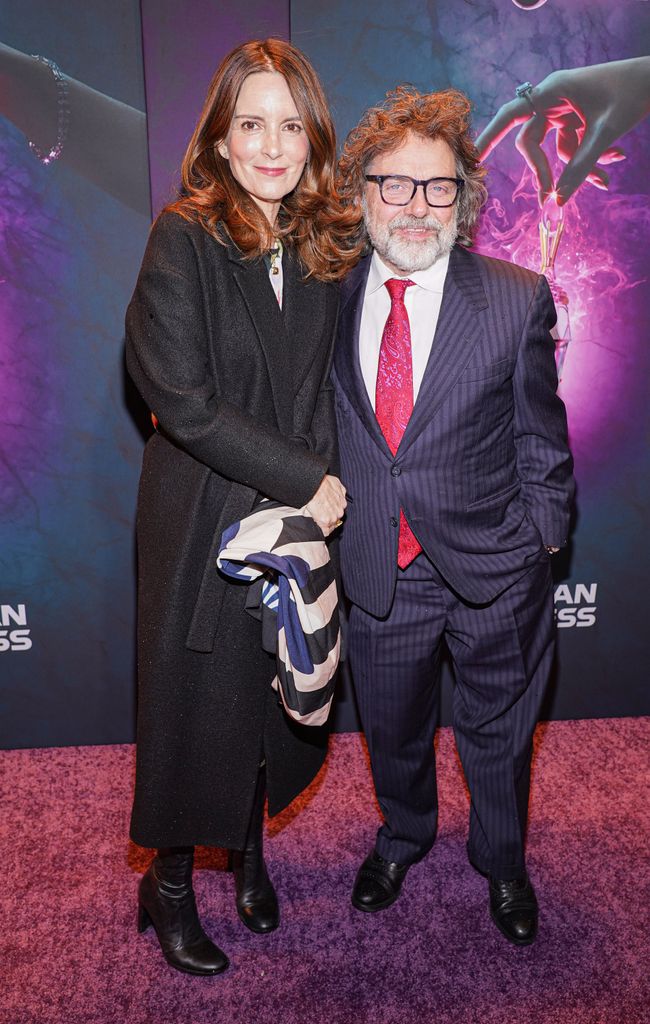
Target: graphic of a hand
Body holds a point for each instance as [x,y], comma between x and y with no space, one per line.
[106,141]
[589,108]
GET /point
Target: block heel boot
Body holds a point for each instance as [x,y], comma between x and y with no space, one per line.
[166,901]
[257,903]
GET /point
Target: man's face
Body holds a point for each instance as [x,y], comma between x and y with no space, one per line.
[412,237]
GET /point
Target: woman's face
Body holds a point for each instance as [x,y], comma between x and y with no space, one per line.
[267,146]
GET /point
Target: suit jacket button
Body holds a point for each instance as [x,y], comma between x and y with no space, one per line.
[395,471]
[394,521]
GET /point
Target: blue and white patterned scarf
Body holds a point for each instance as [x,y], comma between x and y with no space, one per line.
[284,551]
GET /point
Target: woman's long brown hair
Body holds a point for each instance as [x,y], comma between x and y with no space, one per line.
[311,220]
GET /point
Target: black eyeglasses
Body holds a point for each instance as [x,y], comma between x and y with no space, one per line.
[399,189]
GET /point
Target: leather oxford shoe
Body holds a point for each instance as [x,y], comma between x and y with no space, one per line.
[378,883]
[513,908]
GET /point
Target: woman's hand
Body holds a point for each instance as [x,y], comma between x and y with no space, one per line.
[328,504]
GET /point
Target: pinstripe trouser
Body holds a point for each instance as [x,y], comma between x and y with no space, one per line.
[501,655]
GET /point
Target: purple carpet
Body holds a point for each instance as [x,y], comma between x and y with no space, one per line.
[71,953]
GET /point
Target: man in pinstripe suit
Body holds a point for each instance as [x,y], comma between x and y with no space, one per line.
[454,453]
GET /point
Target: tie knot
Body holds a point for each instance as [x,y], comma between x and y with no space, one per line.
[396,287]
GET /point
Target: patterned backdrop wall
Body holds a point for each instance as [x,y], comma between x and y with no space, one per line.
[487,48]
[72,235]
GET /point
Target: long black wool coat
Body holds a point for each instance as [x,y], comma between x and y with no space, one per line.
[240,389]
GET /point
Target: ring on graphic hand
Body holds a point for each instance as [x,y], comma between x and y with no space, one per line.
[524,90]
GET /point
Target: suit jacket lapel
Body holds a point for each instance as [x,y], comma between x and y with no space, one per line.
[457,334]
[253,281]
[346,360]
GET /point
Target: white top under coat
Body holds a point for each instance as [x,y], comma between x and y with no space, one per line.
[277,279]
[422,303]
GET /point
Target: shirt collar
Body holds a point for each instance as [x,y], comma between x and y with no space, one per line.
[432,279]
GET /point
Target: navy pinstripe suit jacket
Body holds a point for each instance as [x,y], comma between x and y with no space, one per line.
[483,472]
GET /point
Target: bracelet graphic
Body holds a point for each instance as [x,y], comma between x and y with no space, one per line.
[62,114]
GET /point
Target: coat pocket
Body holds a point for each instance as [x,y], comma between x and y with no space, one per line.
[205,616]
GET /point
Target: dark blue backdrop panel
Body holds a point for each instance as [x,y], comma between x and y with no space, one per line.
[70,451]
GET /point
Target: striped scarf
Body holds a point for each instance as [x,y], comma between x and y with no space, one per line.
[283,553]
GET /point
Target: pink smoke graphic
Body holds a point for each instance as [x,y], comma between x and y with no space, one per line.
[595,267]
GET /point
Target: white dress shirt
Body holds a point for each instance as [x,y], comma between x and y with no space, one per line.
[422,301]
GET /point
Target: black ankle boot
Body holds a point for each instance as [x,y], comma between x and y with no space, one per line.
[166,900]
[257,904]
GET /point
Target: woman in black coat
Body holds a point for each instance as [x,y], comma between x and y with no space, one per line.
[229,341]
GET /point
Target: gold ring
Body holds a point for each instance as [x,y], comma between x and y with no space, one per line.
[339,522]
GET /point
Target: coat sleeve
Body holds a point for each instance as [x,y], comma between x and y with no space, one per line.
[544,462]
[167,354]
[324,428]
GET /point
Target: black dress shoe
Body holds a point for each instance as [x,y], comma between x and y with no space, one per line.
[166,901]
[378,883]
[513,908]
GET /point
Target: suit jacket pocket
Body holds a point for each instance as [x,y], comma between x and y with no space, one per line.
[503,369]
[497,498]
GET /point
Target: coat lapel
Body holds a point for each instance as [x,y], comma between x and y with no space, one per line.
[252,280]
[304,311]
[457,333]
[346,359]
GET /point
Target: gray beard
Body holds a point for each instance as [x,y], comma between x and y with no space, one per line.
[411,256]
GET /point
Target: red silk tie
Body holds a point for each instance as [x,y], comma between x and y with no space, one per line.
[394,395]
